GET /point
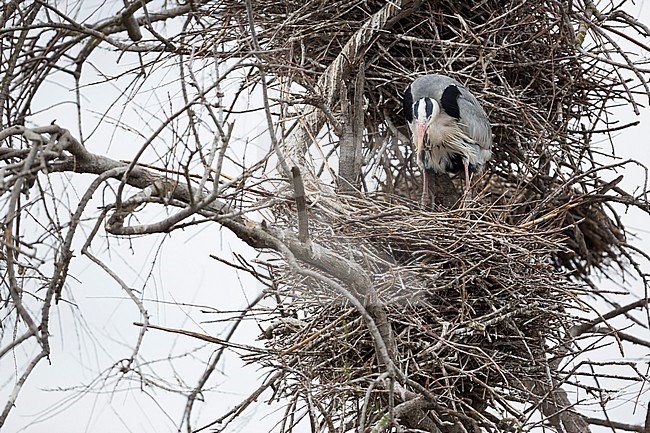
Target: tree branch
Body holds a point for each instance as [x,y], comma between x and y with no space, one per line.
[350,160]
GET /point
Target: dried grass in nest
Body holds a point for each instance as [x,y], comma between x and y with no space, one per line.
[468,299]
[522,60]
[592,238]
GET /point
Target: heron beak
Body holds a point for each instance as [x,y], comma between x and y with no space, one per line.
[420,130]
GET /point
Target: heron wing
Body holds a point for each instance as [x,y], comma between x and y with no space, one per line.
[473,119]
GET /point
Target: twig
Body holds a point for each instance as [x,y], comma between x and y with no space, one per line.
[204,337]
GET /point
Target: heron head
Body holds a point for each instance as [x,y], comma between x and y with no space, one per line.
[425,111]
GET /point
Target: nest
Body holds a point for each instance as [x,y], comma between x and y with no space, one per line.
[543,86]
[474,306]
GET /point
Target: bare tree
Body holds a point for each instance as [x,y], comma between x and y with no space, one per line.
[378,315]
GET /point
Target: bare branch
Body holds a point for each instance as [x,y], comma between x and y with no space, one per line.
[616,425]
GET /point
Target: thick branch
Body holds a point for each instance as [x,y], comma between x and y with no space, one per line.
[255,234]
[351,142]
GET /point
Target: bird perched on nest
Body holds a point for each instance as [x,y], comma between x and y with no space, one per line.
[450,130]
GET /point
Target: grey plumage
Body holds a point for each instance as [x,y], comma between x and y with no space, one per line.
[451,131]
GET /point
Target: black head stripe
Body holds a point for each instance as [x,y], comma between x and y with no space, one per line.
[408,105]
[428,107]
[449,101]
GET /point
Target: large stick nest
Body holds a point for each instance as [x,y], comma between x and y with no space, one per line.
[475,305]
[545,89]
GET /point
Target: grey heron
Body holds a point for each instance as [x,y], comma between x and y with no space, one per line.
[450,130]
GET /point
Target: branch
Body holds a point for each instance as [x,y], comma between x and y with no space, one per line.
[581,329]
[198,389]
[282,161]
[351,142]
[129,22]
[11,401]
[617,425]
[255,234]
